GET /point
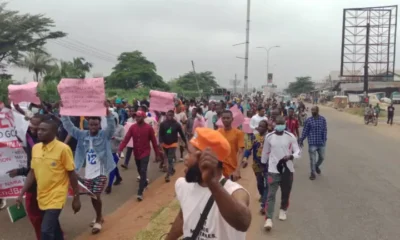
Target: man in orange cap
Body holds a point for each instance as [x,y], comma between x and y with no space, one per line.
[202,185]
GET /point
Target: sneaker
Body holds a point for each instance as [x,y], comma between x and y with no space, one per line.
[282,215]
[108,190]
[268,224]
[124,166]
[167,178]
[139,198]
[138,179]
[318,170]
[118,181]
[3,203]
[312,176]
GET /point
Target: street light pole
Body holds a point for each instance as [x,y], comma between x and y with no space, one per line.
[268,49]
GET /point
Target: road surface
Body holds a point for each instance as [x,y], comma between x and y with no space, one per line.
[74,225]
[357,197]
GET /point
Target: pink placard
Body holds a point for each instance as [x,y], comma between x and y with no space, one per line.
[161,101]
[238,117]
[126,128]
[23,93]
[82,97]
[246,126]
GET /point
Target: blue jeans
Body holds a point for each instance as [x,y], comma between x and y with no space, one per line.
[266,189]
[114,173]
[51,229]
[317,155]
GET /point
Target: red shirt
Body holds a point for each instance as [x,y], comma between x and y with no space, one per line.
[141,136]
[292,125]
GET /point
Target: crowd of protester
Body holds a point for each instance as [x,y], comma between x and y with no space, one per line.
[216,154]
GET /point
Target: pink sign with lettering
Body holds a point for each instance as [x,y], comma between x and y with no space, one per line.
[82,97]
[23,93]
[162,101]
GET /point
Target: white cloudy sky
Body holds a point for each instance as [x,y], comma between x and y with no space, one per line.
[171,33]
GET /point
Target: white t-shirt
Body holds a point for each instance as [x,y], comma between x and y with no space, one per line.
[93,166]
[193,198]
[209,118]
[255,120]
[278,146]
[191,108]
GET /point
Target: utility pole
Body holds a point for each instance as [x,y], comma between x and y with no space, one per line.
[366,63]
[246,57]
[197,81]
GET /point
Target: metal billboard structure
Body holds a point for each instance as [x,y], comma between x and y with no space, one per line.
[369,43]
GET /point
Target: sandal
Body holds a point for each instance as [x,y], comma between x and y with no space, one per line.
[96,228]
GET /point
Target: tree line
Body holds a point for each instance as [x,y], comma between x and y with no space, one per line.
[22,44]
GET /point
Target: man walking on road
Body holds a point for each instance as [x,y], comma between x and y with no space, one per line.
[212,207]
[235,138]
[142,134]
[168,140]
[53,169]
[280,148]
[390,113]
[315,129]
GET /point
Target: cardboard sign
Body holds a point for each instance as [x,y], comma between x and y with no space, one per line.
[162,101]
[23,93]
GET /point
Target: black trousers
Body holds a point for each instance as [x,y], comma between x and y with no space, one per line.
[390,119]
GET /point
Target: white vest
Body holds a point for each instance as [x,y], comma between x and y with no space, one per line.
[193,198]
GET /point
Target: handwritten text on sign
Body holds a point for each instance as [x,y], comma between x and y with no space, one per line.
[11,156]
[82,97]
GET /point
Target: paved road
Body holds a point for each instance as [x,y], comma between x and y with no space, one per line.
[74,225]
[356,197]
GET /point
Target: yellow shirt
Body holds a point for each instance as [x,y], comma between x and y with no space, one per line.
[235,138]
[51,164]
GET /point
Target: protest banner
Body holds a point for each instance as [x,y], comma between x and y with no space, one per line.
[23,93]
[238,117]
[246,126]
[12,156]
[162,101]
[82,97]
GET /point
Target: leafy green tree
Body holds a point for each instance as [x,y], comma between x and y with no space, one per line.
[301,85]
[67,69]
[132,68]
[38,62]
[187,82]
[22,33]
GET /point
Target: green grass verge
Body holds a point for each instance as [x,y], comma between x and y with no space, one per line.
[160,222]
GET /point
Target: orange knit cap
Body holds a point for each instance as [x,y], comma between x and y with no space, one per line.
[206,137]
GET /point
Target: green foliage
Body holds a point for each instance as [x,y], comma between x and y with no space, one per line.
[186,85]
[77,68]
[48,92]
[138,93]
[4,89]
[301,85]
[38,62]
[133,68]
[21,33]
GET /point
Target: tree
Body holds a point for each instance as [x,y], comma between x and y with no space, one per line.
[187,82]
[67,69]
[38,62]
[301,85]
[21,33]
[132,68]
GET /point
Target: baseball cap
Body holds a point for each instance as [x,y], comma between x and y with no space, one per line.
[206,137]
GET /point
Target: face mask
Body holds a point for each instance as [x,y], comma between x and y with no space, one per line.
[280,128]
[193,174]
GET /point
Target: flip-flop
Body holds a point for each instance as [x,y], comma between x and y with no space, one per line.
[96,228]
